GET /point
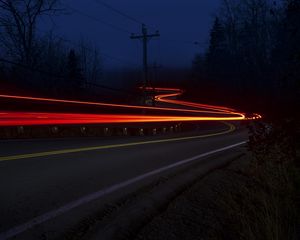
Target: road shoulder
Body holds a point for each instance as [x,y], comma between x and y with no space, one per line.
[195,214]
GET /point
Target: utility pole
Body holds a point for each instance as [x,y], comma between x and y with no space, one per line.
[154,79]
[155,68]
[145,37]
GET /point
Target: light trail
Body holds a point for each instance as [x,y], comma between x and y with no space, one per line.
[63,101]
[205,112]
[27,119]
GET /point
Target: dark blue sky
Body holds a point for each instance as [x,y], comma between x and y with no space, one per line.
[180,22]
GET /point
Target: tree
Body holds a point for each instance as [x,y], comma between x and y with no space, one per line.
[293,29]
[52,60]
[290,49]
[18,26]
[90,62]
[217,53]
[198,66]
[217,39]
[75,76]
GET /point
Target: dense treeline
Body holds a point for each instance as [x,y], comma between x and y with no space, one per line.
[253,59]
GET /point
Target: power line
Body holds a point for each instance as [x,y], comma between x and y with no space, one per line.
[119,12]
[103,22]
[145,39]
[184,42]
[112,88]
[33,69]
[103,54]
[99,20]
[128,63]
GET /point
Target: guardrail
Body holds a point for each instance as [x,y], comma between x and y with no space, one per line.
[27,132]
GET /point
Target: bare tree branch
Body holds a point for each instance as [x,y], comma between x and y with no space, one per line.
[18,22]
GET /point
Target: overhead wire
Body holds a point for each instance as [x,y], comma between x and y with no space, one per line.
[46,73]
[104,54]
[109,25]
[80,12]
[106,5]
[123,14]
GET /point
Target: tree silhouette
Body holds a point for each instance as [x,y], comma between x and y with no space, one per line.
[217,53]
[75,77]
[18,25]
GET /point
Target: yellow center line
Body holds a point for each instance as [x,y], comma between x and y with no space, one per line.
[86,149]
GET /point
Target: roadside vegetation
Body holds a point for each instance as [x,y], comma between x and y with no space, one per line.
[253,60]
[263,200]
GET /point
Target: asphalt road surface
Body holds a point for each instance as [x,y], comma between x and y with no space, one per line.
[41,180]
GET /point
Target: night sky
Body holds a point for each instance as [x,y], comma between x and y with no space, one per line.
[180,23]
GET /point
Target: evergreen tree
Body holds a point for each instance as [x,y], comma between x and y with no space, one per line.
[217,40]
[198,65]
[217,55]
[293,29]
[293,46]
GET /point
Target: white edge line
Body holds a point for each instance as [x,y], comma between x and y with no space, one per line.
[54,213]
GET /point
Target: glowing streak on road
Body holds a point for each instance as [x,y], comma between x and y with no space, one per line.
[205,112]
[24,119]
[51,100]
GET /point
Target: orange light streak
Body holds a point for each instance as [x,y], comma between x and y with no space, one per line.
[204,112]
[52,100]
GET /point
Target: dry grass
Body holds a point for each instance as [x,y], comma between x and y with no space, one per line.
[263,202]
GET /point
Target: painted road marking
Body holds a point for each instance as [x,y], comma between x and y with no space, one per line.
[77,150]
[96,195]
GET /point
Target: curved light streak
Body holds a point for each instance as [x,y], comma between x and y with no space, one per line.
[164,96]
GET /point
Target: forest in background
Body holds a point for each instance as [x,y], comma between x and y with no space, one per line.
[252,61]
[253,57]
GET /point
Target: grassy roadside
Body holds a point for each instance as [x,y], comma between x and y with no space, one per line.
[255,197]
[264,202]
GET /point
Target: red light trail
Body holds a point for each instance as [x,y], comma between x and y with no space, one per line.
[205,112]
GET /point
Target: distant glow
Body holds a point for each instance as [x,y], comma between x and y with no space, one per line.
[204,112]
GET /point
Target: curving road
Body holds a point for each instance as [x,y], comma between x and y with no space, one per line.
[44,181]
[41,181]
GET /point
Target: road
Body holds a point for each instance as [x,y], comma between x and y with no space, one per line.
[38,177]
